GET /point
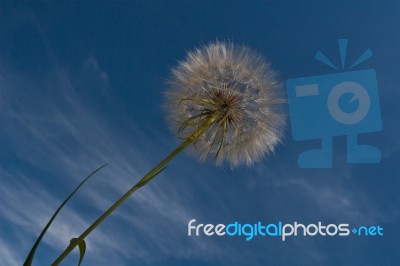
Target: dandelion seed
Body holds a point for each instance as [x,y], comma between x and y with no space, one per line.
[238,89]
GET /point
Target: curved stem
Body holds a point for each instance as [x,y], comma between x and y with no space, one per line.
[149,176]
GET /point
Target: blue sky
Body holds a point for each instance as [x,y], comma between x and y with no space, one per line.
[81,84]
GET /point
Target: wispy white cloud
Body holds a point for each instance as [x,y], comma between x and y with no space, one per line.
[65,140]
[7,255]
[338,202]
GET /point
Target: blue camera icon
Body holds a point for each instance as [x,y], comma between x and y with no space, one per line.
[339,104]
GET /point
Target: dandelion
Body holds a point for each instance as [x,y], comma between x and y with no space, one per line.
[223,99]
[235,87]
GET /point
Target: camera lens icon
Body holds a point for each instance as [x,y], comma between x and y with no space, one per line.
[358,92]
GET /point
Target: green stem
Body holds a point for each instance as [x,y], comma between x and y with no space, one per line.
[149,176]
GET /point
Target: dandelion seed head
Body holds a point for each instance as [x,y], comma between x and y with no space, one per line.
[236,87]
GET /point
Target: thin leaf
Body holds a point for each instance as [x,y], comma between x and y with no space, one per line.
[82,248]
[29,259]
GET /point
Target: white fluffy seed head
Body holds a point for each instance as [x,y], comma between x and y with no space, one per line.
[238,87]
